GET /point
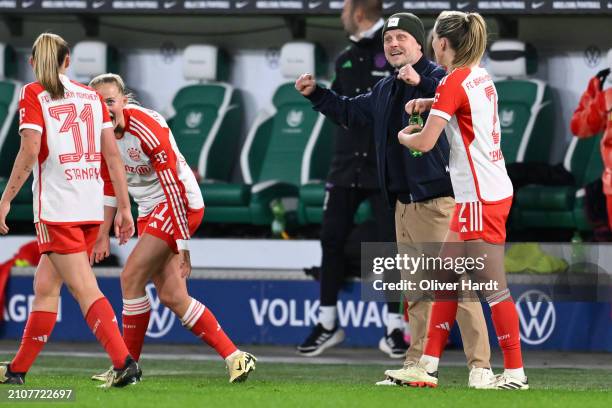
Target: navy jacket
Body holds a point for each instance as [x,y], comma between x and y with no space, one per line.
[428,176]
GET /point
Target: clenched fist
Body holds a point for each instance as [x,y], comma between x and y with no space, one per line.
[305,84]
[409,75]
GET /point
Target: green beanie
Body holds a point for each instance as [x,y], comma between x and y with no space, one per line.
[409,23]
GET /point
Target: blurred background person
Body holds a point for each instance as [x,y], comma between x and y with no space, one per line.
[352,179]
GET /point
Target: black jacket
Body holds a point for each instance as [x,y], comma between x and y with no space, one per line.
[357,69]
[427,176]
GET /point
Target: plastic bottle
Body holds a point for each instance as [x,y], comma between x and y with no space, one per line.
[415,119]
[279,222]
[578,254]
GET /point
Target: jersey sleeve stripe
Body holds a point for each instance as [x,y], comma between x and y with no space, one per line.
[177,205]
[32,126]
[107,125]
[142,135]
[440,113]
[148,131]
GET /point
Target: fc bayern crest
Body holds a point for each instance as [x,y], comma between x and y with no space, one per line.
[134,154]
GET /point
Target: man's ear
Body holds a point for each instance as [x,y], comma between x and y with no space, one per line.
[31,61]
[67,62]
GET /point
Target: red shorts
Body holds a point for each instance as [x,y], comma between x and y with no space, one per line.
[66,239]
[159,224]
[477,220]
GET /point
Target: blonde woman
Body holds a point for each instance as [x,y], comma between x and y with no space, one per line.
[465,107]
[170,208]
[65,130]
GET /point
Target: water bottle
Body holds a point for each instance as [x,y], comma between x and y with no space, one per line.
[415,119]
[578,254]
[278,223]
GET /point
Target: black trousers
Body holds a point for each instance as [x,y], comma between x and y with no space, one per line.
[341,204]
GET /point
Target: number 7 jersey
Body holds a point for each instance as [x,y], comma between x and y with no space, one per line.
[467,99]
[67,187]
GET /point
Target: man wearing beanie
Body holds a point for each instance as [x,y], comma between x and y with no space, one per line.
[352,179]
[417,186]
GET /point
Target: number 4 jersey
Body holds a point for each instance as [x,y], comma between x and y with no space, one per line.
[67,187]
[467,99]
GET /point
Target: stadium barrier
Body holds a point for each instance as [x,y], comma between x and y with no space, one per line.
[278,307]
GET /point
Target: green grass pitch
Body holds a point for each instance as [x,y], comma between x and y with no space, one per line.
[186,384]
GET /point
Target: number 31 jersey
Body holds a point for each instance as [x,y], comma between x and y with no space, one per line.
[67,187]
[467,99]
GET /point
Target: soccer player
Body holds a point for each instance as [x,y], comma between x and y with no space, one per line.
[465,106]
[65,130]
[170,208]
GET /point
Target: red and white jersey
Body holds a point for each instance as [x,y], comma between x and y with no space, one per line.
[67,187]
[156,171]
[467,99]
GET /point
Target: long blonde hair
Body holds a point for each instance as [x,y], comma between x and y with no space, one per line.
[48,54]
[466,33]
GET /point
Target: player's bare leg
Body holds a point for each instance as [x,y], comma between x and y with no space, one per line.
[172,292]
[74,270]
[47,287]
[504,316]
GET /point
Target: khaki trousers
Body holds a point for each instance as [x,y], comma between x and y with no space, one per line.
[424,222]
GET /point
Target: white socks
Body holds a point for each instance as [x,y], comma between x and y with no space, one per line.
[327,316]
[518,373]
[232,356]
[429,363]
[395,321]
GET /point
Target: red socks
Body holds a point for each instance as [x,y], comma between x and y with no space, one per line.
[103,323]
[506,322]
[136,313]
[37,331]
[441,320]
[204,325]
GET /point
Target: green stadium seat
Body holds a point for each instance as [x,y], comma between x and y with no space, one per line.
[206,119]
[539,206]
[21,207]
[288,145]
[525,105]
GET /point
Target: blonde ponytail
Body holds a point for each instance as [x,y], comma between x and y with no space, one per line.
[466,33]
[48,54]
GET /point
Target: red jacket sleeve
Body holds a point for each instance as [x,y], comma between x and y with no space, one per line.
[155,141]
[589,118]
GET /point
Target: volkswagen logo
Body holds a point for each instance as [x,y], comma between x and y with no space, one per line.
[162,318]
[537,317]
